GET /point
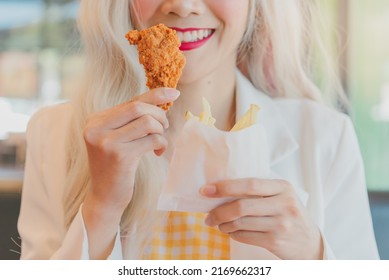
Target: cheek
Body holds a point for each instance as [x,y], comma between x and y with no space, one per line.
[144,9]
[229,8]
[233,13]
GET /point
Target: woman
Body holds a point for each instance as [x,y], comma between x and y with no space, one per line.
[91,193]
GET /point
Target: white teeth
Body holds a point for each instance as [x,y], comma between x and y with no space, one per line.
[188,37]
[180,35]
[193,36]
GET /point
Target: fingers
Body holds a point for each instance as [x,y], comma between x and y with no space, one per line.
[151,142]
[122,115]
[234,210]
[261,224]
[261,239]
[141,127]
[144,104]
[133,139]
[265,213]
[158,96]
[299,245]
[245,188]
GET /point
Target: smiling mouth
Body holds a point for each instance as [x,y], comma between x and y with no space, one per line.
[192,38]
[194,35]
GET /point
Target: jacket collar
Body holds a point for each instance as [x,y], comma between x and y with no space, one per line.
[281,142]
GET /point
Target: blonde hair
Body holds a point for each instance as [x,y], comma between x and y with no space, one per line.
[279,53]
[113,76]
[275,54]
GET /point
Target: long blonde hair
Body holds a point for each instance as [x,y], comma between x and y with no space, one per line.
[275,54]
[279,53]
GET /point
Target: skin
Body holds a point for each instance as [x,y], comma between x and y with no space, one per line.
[265,213]
[116,139]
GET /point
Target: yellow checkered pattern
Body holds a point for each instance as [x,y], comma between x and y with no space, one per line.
[184,236]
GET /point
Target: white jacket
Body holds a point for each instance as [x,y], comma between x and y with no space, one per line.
[311,146]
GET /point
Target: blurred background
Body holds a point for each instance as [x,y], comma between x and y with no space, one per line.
[41,63]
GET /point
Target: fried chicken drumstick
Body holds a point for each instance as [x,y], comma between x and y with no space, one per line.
[158,48]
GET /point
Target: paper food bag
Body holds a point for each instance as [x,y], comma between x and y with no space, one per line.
[204,155]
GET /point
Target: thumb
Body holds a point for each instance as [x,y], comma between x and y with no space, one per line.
[158,96]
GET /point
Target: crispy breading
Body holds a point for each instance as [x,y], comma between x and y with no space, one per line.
[159,52]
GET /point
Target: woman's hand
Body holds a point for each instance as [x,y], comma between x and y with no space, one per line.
[266,213]
[116,139]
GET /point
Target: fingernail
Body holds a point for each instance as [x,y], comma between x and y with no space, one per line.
[208,190]
[171,93]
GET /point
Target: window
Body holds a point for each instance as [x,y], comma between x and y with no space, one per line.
[368,81]
[38,46]
[40,64]
[363,50]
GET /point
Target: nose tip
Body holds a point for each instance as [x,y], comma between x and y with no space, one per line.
[182,8]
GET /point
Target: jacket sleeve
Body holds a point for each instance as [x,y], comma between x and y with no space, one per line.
[346,200]
[75,244]
[41,220]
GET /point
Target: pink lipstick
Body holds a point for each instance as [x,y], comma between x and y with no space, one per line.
[193,38]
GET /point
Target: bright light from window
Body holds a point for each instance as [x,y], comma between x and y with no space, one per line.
[11,122]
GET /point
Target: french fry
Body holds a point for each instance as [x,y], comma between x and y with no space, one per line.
[248,119]
[205,116]
[189,115]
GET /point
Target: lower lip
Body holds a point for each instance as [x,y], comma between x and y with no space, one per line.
[188,46]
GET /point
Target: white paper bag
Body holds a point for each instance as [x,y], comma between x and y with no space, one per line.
[204,155]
